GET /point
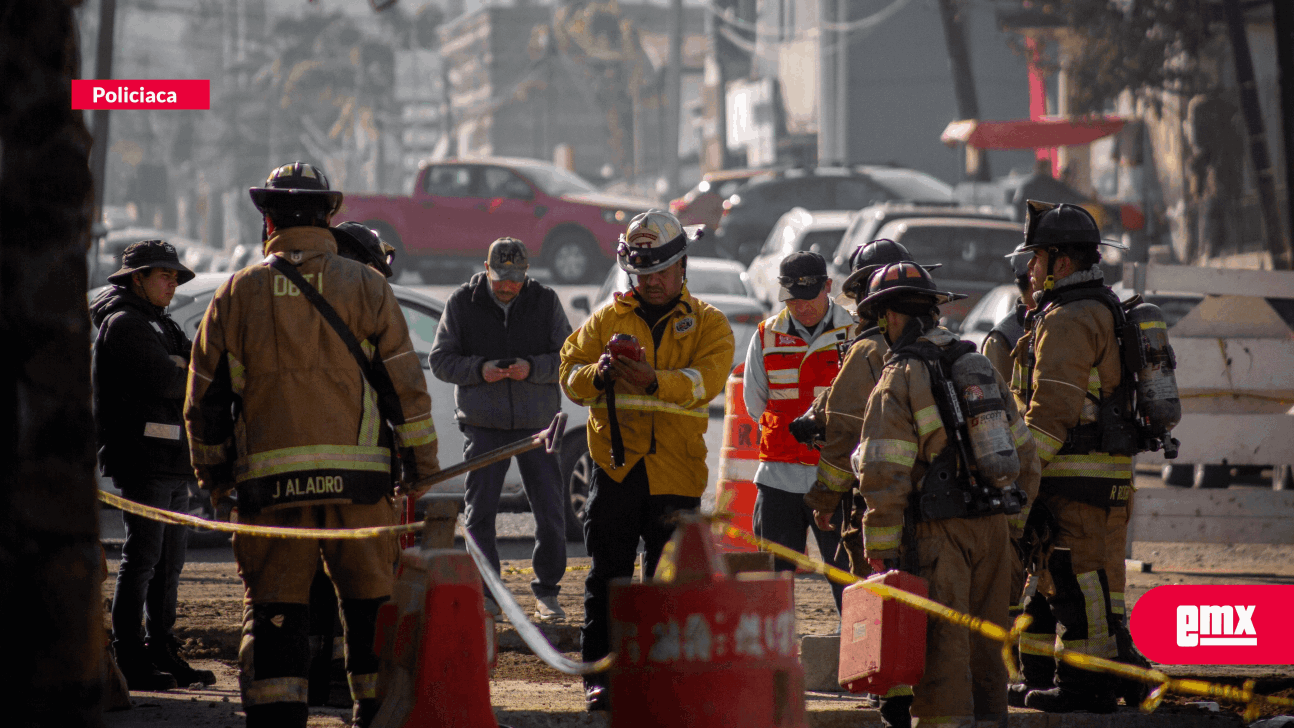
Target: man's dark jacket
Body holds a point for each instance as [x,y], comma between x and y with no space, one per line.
[472,332]
[138,388]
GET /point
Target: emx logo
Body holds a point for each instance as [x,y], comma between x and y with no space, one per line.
[1214,625]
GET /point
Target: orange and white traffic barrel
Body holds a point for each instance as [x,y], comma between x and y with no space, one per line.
[697,647]
[436,644]
[738,459]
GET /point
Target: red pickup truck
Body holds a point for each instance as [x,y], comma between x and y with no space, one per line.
[458,207]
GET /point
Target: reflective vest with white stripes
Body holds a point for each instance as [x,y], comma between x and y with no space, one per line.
[798,371]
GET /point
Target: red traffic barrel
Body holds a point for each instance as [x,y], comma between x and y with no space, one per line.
[697,647]
[436,644]
[738,459]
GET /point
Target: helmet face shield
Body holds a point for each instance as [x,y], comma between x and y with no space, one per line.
[654,241]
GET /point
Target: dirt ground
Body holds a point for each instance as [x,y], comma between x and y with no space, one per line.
[211,610]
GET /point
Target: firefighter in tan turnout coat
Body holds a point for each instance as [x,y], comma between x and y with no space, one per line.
[279,410]
[1067,366]
[963,551]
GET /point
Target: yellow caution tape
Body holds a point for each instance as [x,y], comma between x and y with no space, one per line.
[528,570]
[1164,684]
[183,519]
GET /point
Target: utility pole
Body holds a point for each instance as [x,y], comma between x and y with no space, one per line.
[673,94]
[1273,236]
[102,71]
[1283,20]
[828,136]
[963,83]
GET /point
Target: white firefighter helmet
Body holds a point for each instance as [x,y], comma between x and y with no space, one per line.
[654,241]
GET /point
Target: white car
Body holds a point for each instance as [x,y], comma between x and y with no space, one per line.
[798,230]
[422,313]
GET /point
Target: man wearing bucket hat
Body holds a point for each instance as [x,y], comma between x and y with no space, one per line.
[281,410]
[140,360]
[790,361]
[498,343]
[662,392]
[1066,366]
[912,460]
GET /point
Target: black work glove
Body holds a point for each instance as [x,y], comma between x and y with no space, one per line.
[806,430]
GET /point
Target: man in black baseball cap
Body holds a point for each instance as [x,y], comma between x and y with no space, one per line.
[790,361]
[801,276]
[141,359]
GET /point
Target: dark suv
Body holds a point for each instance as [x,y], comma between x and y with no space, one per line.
[750,213]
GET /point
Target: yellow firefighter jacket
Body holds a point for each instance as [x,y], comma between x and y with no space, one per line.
[845,405]
[1064,366]
[902,434]
[667,427]
[307,428]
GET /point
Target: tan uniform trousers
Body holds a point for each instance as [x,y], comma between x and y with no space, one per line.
[968,564]
[281,569]
[1097,539]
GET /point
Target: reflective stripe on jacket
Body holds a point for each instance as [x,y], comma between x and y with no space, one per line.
[846,403]
[666,428]
[902,434]
[1063,368]
[308,428]
[798,372]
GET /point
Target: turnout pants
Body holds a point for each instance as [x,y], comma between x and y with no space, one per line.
[617,515]
[274,655]
[1088,576]
[968,564]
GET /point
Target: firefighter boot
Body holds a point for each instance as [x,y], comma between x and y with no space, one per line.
[274,659]
[1133,692]
[1076,690]
[359,619]
[166,655]
[141,674]
[1039,670]
[896,711]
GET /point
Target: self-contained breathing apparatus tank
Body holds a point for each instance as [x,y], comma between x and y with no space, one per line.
[972,409]
[986,418]
[1150,358]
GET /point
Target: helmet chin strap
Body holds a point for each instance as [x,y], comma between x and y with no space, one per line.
[1050,282]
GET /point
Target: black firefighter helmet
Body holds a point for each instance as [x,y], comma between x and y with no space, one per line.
[361,243]
[293,184]
[867,258]
[900,282]
[1060,224]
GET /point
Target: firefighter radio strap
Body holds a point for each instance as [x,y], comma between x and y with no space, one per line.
[627,346]
[374,371]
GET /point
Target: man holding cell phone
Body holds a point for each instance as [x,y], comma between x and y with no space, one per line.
[499,342]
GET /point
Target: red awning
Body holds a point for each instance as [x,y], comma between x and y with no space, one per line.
[1029,134]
